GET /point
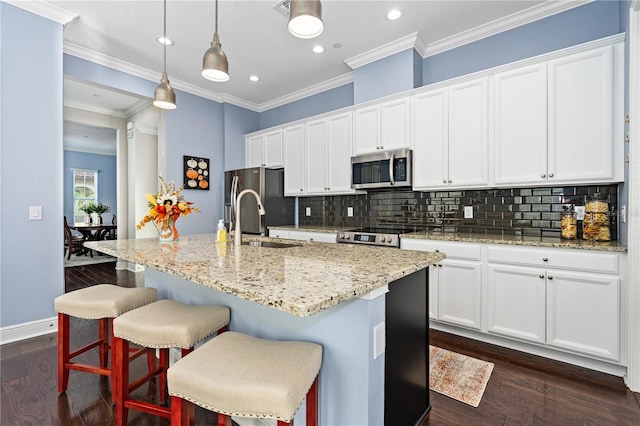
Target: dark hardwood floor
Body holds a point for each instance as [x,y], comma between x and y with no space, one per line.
[523,389]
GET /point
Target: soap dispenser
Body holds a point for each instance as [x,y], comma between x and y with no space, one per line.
[222,232]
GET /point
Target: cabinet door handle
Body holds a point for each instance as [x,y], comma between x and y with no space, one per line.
[434,264]
[437,250]
[310,239]
[381,147]
[300,189]
[439,266]
[550,277]
[543,175]
[444,181]
[545,259]
[541,276]
[550,175]
[450,181]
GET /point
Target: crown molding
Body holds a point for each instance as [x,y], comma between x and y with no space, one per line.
[383,51]
[44,9]
[514,20]
[308,91]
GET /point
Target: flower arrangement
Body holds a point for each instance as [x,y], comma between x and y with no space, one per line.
[166,207]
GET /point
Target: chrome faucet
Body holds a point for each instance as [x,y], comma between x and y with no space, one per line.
[237,238]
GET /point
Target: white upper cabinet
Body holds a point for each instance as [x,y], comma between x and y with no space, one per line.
[264,150]
[382,127]
[554,122]
[520,125]
[294,160]
[450,137]
[328,155]
[581,114]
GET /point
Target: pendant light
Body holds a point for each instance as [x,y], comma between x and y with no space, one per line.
[215,66]
[164,96]
[305,18]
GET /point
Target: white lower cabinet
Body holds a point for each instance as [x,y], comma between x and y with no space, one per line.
[583,313]
[516,302]
[455,283]
[571,306]
[567,301]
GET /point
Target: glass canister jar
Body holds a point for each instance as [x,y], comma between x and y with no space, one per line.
[569,225]
[595,226]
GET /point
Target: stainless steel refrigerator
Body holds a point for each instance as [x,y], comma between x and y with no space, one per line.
[269,184]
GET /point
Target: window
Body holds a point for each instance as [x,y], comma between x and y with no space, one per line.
[85,190]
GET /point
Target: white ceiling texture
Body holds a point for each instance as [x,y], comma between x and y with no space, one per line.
[254,36]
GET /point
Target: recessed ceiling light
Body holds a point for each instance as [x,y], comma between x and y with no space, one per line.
[254,78]
[318,49]
[165,40]
[394,14]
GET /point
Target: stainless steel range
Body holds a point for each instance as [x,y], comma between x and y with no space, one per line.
[386,237]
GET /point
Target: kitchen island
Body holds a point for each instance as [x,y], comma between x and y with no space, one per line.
[339,295]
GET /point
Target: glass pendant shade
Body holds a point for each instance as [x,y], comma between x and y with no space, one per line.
[215,66]
[164,96]
[305,18]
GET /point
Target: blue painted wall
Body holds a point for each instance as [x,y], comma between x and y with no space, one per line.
[387,76]
[31,267]
[579,25]
[196,128]
[329,100]
[237,122]
[107,190]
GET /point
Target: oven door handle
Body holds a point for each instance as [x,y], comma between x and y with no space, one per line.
[392,160]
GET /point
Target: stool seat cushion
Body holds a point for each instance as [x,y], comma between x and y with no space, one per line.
[103,301]
[170,324]
[245,376]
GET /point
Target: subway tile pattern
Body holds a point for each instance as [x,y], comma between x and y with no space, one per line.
[520,211]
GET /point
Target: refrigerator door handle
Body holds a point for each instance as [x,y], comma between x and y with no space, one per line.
[234,194]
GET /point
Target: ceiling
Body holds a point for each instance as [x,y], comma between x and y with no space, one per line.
[254,36]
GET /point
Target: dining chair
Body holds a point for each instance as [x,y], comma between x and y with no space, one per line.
[73,242]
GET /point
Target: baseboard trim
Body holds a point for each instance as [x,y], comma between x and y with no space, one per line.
[27,330]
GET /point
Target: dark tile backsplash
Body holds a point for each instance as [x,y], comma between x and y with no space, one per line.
[524,211]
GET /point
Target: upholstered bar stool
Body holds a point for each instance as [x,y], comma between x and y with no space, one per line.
[102,302]
[161,325]
[239,375]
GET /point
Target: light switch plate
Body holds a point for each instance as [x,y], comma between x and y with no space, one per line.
[623,214]
[579,212]
[35,212]
[307,211]
[350,211]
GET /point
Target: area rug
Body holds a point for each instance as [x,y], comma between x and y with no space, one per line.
[87,260]
[458,376]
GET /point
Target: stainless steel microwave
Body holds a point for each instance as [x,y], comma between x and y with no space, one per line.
[387,169]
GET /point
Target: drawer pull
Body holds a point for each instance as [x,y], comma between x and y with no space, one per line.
[545,259]
[550,277]
[541,276]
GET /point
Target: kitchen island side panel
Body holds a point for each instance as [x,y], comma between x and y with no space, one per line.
[351,383]
[407,357]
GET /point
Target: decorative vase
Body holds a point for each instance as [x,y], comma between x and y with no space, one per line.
[167,229]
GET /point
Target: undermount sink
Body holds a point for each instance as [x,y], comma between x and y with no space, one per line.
[269,244]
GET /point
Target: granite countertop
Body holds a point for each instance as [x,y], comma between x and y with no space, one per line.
[301,280]
[517,240]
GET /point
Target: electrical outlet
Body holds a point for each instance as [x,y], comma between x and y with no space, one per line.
[468,212]
[379,340]
[307,211]
[579,212]
[350,211]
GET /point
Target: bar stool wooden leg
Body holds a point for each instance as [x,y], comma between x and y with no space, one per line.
[183,412]
[63,352]
[121,379]
[103,336]
[312,404]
